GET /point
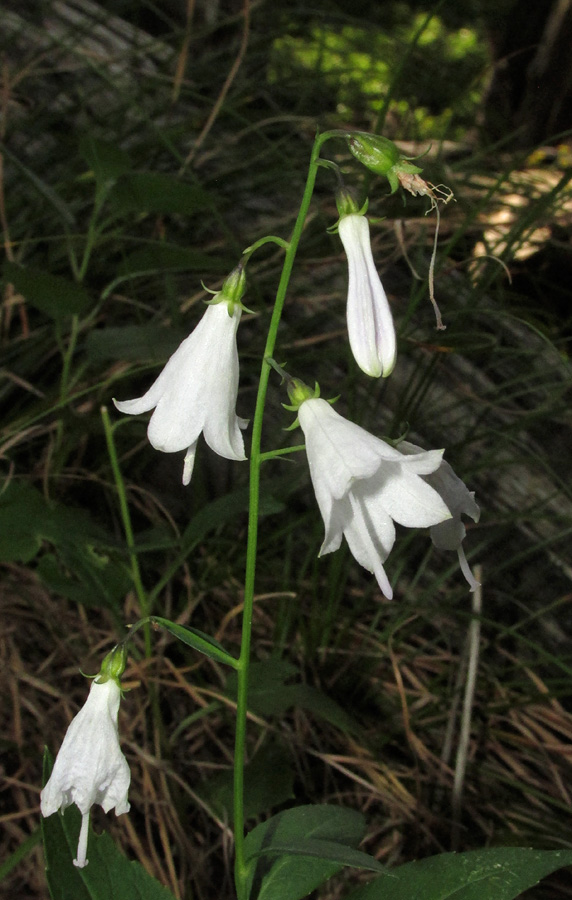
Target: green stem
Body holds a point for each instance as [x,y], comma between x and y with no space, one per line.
[241,869]
[274,454]
[269,239]
[127,527]
[67,357]
[92,232]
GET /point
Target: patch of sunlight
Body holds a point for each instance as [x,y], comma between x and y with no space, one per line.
[351,70]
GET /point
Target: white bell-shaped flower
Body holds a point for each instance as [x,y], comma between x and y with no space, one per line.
[197,390]
[363,485]
[460,501]
[370,323]
[90,767]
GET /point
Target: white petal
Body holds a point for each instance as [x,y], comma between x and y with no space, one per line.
[197,390]
[90,767]
[222,428]
[466,570]
[335,515]
[423,463]
[368,540]
[370,323]
[338,450]
[407,498]
[189,463]
[187,379]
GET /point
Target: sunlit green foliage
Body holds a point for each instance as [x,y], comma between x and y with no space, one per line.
[437,95]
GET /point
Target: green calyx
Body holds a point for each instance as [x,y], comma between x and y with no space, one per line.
[346,203]
[382,156]
[298,392]
[347,206]
[113,665]
[232,290]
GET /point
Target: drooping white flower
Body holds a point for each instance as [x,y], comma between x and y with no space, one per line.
[90,767]
[460,501]
[363,485]
[197,390]
[370,323]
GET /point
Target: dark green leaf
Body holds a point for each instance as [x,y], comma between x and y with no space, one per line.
[328,850]
[196,639]
[292,877]
[269,695]
[163,257]
[42,187]
[157,258]
[134,343]
[107,161]
[21,512]
[499,873]
[158,193]
[53,295]
[81,567]
[268,782]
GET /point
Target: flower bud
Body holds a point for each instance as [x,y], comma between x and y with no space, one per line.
[383,157]
[377,153]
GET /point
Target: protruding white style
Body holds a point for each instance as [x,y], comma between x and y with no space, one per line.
[449,535]
[196,392]
[90,767]
[370,323]
[363,485]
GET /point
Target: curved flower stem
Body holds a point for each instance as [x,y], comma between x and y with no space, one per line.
[241,869]
[269,239]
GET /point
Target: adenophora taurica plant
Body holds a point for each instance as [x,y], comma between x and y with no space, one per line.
[363,486]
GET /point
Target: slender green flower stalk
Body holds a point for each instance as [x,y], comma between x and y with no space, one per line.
[241,869]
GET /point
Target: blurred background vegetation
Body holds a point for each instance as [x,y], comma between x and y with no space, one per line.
[143,146]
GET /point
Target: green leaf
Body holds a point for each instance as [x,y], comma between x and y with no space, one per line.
[53,295]
[82,566]
[21,511]
[158,193]
[499,873]
[20,853]
[320,849]
[196,639]
[266,687]
[269,695]
[134,343]
[224,509]
[159,257]
[268,782]
[292,877]
[41,186]
[163,257]
[108,875]
[107,161]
